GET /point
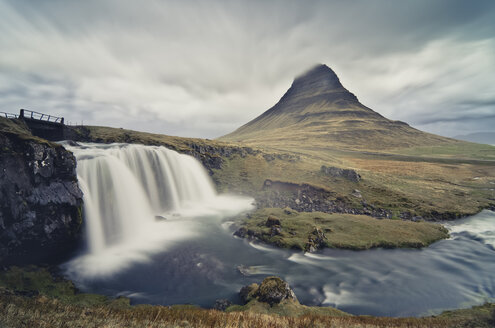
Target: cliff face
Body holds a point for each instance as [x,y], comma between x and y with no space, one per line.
[40,201]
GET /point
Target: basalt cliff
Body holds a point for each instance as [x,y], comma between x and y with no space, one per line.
[41,203]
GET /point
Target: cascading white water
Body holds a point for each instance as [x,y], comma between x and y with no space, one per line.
[127,187]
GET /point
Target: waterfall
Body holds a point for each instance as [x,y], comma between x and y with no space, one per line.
[134,195]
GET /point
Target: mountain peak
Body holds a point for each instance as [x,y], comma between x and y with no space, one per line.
[320,80]
[319,113]
[319,77]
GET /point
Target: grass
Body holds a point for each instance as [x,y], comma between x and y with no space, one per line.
[35,297]
[446,181]
[464,150]
[19,129]
[346,231]
[46,312]
[111,135]
[34,280]
[43,312]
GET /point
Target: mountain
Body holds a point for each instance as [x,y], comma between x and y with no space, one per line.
[317,111]
[479,137]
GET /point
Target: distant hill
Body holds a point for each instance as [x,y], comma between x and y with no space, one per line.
[317,111]
[479,137]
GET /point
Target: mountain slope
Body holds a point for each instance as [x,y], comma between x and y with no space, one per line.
[479,137]
[319,112]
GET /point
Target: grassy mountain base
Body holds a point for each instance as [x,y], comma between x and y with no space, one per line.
[435,182]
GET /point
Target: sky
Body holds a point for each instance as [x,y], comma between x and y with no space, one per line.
[204,68]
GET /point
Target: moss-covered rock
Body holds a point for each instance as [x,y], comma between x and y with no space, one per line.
[272,290]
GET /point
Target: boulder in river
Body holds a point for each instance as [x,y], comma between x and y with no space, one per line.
[272,290]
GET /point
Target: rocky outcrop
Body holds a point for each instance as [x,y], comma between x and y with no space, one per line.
[316,240]
[222,304]
[336,172]
[272,290]
[211,155]
[308,198]
[40,201]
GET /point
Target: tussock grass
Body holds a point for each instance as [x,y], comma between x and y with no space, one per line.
[19,129]
[53,302]
[43,312]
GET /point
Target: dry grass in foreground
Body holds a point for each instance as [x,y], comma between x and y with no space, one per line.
[41,311]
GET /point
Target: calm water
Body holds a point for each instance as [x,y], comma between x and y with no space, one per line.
[202,267]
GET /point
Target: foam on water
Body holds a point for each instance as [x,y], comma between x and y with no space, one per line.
[481,226]
[126,188]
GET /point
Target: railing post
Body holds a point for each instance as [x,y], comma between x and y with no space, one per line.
[21,114]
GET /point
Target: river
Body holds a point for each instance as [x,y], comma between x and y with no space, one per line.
[188,255]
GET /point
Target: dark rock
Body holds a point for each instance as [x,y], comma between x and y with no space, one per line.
[41,203]
[222,304]
[316,240]
[308,198]
[248,293]
[336,172]
[241,232]
[275,231]
[274,290]
[244,233]
[272,221]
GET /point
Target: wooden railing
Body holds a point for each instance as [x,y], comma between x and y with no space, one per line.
[8,115]
[40,116]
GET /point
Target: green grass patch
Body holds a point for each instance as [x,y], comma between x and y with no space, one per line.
[460,150]
[35,281]
[345,231]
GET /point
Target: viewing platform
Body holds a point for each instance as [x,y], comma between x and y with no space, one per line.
[42,125]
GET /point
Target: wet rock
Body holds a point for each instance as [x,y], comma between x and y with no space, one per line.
[272,290]
[248,293]
[241,232]
[40,201]
[222,304]
[316,240]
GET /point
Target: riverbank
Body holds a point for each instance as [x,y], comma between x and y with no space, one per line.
[310,231]
[34,297]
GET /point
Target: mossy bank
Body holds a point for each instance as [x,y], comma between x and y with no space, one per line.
[310,231]
[34,297]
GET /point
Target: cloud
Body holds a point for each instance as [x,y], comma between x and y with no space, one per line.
[204,68]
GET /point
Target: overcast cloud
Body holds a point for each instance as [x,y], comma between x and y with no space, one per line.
[203,68]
